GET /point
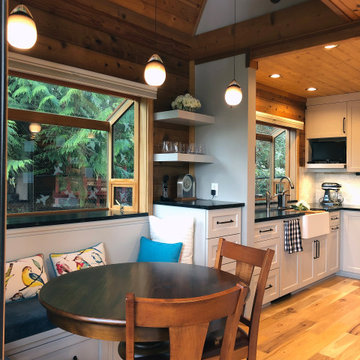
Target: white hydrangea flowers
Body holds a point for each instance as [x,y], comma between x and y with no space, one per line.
[186,102]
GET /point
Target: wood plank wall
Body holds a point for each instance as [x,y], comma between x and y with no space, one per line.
[81,34]
[278,102]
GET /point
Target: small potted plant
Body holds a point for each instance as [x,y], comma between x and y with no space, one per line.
[186,102]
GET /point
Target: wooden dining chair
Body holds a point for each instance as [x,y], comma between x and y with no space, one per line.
[187,319]
[247,258]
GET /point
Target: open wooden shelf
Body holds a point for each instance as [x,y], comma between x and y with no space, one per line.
[179,157]
[182,117]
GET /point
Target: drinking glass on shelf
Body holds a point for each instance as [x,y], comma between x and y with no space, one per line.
[168,146]
[200,149]
[191,149]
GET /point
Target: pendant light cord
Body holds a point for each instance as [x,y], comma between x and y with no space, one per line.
[234,35]
[156,40]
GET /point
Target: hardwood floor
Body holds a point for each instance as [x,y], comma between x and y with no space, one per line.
[318,323]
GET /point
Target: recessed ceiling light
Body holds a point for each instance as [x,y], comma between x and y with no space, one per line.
[275,76]
[311,89]
[331,46]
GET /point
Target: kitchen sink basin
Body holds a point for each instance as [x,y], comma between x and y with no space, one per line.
[315,224]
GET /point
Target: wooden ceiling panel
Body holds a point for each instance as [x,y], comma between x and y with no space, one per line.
[349,9]
[332,72]
[179,15]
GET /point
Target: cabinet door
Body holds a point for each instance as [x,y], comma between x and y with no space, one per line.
[320,261]
[326,120]
[353,141]
[289,274]
[350,244]
[306,268]
[332,251]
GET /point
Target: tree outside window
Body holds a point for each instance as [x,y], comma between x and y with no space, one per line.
[271,154]
[65,164]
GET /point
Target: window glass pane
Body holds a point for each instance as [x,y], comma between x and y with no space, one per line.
[57,168]
[123,196]
[280,155]
[262,174]
[123,146]
[39,96]
[264,129]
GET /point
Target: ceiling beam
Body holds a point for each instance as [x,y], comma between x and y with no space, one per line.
[302,21]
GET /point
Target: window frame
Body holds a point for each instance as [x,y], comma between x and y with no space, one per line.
[291,168]
[140,94]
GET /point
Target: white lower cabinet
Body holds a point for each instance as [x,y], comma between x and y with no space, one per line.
[350,244]
[319,258]
[210,225]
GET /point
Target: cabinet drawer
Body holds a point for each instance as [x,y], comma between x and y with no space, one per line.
[334,219]
[223,222]
[272,286]
[273,244]
[229,267]
[267,230]
[213,245]
[272,290]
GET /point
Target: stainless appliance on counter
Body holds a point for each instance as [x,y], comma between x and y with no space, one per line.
[332,195]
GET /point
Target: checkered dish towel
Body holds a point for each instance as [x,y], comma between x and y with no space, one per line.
[292,236]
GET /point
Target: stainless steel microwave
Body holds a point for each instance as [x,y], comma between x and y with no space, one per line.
[327,151]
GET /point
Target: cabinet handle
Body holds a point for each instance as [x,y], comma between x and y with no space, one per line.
[268,287]
[225,222]
[333,228]
[334,218]
[267,230]
[315,257]
[344,124]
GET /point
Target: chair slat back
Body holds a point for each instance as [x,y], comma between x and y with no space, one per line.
[247,258]
[187,319]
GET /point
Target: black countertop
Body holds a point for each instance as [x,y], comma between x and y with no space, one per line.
[275,214]
[202,204]
[14,222]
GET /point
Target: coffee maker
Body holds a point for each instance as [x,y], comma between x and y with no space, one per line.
[332,195]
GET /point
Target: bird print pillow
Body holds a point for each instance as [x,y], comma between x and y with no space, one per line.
[81,259]
[24,277]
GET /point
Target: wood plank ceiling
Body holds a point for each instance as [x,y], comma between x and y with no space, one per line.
[121,33]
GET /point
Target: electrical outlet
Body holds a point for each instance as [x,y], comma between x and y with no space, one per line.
[214,189]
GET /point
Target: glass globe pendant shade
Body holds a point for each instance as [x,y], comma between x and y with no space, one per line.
[21,28]
[233,94]
[155,73]
[34,128]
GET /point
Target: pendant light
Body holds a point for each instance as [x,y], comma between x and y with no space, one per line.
[21,28]
[233,93]
[155,73]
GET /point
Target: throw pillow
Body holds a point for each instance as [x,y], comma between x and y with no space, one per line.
[24,277]
[154,251]
[80,259]
[174,229]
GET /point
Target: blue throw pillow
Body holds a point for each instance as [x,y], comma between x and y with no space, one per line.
[154,251]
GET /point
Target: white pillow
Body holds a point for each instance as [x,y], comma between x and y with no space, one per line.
[175,229]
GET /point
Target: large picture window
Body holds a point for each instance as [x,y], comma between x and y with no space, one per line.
[58,147]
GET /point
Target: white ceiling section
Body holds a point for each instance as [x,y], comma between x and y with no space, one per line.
[220,13]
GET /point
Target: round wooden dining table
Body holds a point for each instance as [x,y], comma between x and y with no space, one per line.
[91,302]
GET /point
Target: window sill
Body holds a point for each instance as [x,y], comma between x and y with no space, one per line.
[17,222]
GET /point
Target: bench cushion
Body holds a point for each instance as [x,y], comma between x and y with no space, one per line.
[25,318]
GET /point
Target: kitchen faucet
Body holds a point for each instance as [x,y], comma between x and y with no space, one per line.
[282,202]
[289,180]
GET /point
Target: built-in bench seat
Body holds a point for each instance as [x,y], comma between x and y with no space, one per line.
[25,318]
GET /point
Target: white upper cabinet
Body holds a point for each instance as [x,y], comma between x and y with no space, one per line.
[353,141]
[326,121]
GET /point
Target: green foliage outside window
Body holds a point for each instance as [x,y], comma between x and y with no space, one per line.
[60,167]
